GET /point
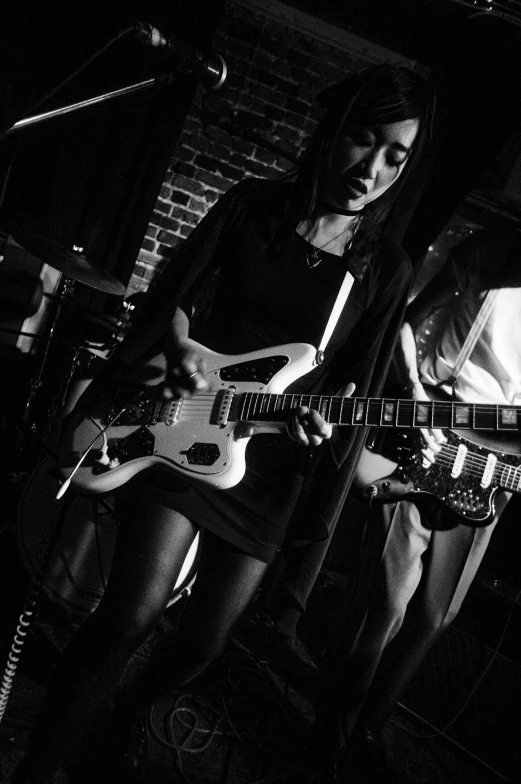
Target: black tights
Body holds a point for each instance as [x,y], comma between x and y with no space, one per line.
[152,546]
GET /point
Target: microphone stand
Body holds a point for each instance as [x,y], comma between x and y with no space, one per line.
[157,81]
[163,79]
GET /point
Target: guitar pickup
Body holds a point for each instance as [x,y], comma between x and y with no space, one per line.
[488,473]
[224,401]
[459,461]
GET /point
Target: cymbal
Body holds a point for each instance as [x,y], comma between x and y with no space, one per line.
[71,263]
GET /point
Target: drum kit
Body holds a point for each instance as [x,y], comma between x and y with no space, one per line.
[74,267]
[75,568]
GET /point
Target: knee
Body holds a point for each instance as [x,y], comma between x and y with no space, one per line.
[124,630]
[390,614]
[204,645]
[432,622]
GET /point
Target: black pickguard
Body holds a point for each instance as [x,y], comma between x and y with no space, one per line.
[463,494]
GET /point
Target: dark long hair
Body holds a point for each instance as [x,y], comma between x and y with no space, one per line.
[376,95]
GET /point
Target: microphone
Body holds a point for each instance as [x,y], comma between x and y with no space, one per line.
[209,67]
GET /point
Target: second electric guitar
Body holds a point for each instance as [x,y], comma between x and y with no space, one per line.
[466,475]
[204,437]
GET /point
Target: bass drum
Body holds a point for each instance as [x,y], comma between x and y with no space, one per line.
[79,564]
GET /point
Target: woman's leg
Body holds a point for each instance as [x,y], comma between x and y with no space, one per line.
[152,545]
[227,580]
[401,569]
[454,557]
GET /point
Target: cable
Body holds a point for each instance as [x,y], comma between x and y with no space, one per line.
[27,617]
[202,722]
[97,515]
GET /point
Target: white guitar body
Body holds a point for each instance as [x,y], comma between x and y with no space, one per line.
[204,437]
[191,437]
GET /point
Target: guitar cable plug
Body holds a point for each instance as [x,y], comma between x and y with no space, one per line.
[102,457]
[370,491]
[113,463]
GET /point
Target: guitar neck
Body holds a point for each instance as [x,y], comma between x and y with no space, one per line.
[262,407]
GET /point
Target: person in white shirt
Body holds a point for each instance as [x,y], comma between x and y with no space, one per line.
[430,555]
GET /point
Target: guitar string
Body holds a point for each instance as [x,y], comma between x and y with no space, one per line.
[476,474]
[371,402]
[333,400]
[205,403]
[476,465]
[471,457]
[202,400]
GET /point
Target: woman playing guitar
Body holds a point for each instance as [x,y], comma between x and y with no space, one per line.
[263,268]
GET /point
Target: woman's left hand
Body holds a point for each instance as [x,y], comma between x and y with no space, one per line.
[307,427]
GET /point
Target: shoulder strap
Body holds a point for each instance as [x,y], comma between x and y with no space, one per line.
[340,301]
[474,333]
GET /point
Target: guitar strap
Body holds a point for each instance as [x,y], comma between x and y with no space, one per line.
[474,333]
[340,301]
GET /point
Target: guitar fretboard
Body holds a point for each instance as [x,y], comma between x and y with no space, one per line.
[382,412]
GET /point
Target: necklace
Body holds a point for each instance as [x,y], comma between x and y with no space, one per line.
[339,210]
[313,259]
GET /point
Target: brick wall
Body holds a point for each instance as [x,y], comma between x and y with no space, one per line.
[257,124]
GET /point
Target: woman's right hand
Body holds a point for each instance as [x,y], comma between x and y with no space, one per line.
[185,372]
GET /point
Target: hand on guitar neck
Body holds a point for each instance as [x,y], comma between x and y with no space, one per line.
[433,438]
[186,376]
[307,427]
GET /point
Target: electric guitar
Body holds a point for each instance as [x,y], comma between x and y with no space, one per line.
[466,475]
[204,437]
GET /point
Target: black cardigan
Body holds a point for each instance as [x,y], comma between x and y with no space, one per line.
[364,359]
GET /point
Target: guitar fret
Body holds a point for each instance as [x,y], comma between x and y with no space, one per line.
[462,416]
[421,414]
[509,419]
[336,410]
[405,413]
[512,476]
[389,412]
[484,417]
[347,410]
[243,402]
[253,405]
[380,412]
[278,407]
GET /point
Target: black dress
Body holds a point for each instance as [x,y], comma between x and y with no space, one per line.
[244,299]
